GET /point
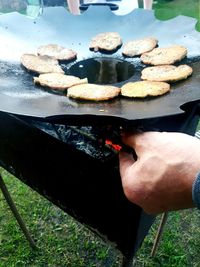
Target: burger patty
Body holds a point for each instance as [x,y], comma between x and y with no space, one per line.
[143,89]
[107,41]
[164,56]
[41,64]
[166,73]
[93,92]
[138,47]
[56,51]
[58,81]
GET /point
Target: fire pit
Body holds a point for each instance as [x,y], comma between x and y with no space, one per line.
[45,139]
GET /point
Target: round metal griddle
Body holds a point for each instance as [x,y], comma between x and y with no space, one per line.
[20,34]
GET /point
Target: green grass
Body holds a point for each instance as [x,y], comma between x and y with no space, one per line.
[179,246]
[64,242]
[167,9]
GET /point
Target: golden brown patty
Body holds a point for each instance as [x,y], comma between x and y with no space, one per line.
[93,92]
[164,56]
[144,88]
[166,73]
[58,81]
[106,41]
[138,47]
[56,51]
[40,64]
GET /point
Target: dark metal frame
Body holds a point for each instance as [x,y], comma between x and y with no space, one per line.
[16,213]
[84,187]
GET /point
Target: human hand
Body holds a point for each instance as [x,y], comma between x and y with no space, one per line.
[162,176]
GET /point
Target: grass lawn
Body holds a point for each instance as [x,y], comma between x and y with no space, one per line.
[167,9]
[63,242]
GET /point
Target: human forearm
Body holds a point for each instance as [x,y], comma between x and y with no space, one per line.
[162,177]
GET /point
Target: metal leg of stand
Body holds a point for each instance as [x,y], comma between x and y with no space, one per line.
[16,213]
[127,262]
[159,234]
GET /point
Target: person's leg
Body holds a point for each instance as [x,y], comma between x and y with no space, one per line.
[148,4]
[74,6]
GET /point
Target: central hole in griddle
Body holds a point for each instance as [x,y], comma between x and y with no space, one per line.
[102,70]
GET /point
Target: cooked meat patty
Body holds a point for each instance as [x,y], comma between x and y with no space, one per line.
[107,41]
[144,88]
[166,73]
[58,81]
[57,52]
[93,92]
[40,64]
[164,56]
[138,47]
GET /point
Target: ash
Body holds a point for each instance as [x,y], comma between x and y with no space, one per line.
[88,139]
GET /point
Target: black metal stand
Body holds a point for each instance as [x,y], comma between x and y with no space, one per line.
[15,212]
[159,234]
[127,262]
